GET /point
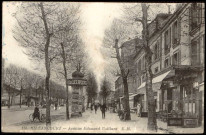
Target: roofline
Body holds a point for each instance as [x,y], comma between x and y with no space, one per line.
[173,16]
[170,19]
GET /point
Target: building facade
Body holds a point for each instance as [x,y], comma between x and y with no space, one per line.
[177,42]
[128,51]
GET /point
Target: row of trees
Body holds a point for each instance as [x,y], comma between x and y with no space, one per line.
[50,34]
[29,84]
[92,89]
[136,18]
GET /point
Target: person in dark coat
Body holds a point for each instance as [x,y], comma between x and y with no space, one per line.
[56,106]
[103,109]
[91,107]
[95,108]
[36,113]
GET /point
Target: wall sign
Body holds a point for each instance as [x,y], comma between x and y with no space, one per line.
[79,82]
[174,122]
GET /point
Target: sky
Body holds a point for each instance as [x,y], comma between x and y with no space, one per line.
[95,17]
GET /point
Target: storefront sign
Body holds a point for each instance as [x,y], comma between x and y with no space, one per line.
[190,122]
[79,82]
[174,122]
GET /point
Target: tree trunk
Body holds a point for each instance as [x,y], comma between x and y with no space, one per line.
[36,97]
[47,64]
[65,75]
[9,97]
[67,104]
[152,123]
[42,96]
[124,79]
[126,100]
[20,98]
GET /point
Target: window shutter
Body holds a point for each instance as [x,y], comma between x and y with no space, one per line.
[200,12]
[190,18]
[172,60]
[169,37]
[169,61]
[179,29]
[179,58]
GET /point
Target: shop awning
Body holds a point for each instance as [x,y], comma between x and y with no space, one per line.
[132,96]
[158,79]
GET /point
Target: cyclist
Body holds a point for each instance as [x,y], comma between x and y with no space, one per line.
[36,113]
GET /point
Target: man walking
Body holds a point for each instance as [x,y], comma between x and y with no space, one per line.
[103,109]
[95,108]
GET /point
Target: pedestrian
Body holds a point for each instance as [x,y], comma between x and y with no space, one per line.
[103,109]
[95,108]
[138,109]
[56,106]
[36,113]
[91,107]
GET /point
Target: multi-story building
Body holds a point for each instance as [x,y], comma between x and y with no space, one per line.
[128,50]
[177,42]
[155,43]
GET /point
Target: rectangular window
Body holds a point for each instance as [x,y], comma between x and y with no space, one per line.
[175,34]
[144,78]
[139,66]
[167,40]
[166,62]
[143,63]
[196,14]
[176,59]
[195,53]
[156,69]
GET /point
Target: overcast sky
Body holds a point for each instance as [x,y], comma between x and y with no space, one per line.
[96,17]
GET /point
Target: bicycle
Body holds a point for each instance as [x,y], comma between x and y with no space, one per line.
[42,117]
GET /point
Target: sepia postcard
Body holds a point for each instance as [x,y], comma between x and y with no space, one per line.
[102,67]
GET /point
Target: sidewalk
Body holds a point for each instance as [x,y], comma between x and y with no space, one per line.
[16,108]
[162,126]
[93,123]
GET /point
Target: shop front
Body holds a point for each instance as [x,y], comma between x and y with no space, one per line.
[181,100]
[141,98]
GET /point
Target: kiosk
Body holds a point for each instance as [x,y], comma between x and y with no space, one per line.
[77,83]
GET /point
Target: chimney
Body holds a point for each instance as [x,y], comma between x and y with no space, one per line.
[169,9]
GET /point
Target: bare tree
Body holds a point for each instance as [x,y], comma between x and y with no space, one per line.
[105,89]
[91,88]
[114,36]
[10,74]
[141,18]
[34,31]
[66,42]
[22,73]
